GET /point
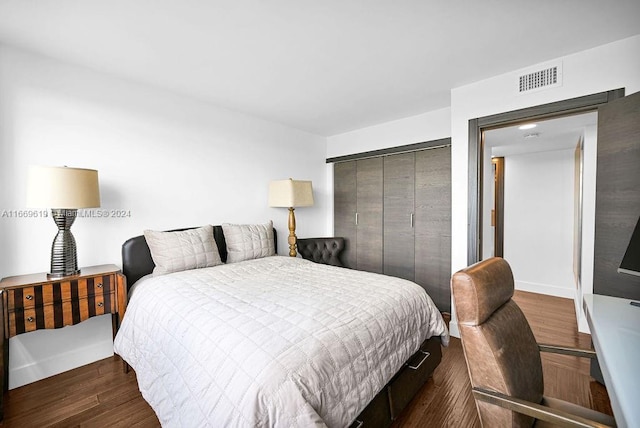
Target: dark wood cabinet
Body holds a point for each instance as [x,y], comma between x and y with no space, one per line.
[399,196]
[433,224]
[395,214]
[345,208]
[358,190]
[617,195]
[369,184]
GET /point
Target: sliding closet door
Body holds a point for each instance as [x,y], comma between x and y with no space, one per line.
[369,181]
[433,224]
[345,207]
[399,180]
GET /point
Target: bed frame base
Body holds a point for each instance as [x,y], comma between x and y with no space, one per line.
[398,393]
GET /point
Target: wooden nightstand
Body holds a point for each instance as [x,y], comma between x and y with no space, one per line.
[33,302]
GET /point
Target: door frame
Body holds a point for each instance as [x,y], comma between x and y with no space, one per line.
[498,206]
[476,147]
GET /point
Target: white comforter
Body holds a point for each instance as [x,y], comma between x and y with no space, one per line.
[276,341]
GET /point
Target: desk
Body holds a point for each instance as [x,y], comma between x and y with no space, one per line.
[615,331]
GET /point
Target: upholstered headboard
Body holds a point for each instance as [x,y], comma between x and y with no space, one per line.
[322,250]
[137,261]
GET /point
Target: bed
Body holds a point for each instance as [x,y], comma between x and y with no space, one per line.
[265,340]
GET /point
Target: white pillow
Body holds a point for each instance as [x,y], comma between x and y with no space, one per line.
[248,241]
[187,249]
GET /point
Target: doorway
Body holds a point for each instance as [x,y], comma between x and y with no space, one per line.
[476,160]
[476,167]
[532,192]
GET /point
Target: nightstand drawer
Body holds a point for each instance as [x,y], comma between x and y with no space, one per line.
[55,292]
[60,314]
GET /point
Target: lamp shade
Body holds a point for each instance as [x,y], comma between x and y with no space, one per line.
[62,187]
[290,193]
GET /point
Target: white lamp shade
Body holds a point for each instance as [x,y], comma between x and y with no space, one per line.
[290,193]
[62,187]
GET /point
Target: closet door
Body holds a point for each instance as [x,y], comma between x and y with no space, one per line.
[399,250]
[344,209]
[433,224]
[369,179]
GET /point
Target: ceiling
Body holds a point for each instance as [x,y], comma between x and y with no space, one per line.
[325,66]
[560,133]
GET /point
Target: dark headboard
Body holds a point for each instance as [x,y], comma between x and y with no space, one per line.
[137,261]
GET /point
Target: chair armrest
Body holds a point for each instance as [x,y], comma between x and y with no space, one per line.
[567,350]
[535,410]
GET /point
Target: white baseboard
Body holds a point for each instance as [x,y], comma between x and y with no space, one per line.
[583,326]
[550,290]
[453,328]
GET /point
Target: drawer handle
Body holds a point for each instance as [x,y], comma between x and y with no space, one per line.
[30,319]
[29,297]
[426,355]
[100,304]
[99,285]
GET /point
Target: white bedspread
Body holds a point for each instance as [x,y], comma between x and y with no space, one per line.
[277,341]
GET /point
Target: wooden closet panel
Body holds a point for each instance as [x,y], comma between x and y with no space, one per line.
[617,195]
[399,185]
[344,206]
[433,224]
[369,180]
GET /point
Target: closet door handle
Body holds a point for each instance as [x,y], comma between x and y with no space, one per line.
[411,217]
[356,219]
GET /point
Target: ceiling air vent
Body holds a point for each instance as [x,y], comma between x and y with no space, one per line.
[540,79]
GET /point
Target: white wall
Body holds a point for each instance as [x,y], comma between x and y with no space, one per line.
[611,66]
[539,220]
[589,167]
[172,161]
[429,126]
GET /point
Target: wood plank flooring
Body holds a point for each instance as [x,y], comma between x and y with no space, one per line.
[446,401]
[101,395]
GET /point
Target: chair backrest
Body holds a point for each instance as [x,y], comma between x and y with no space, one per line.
[501,352]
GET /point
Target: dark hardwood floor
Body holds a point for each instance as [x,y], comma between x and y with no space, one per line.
[101,395]
[446,401]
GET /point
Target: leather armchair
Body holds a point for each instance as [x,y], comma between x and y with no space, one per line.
[503,357]
[322,250]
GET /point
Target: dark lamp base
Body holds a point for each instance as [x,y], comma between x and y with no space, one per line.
[64,260]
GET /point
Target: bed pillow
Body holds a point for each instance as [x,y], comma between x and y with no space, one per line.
[248,241]
[183,250]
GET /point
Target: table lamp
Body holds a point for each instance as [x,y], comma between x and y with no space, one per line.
[64,190]
[291,194]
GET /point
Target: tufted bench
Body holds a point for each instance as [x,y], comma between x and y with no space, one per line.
[322,250]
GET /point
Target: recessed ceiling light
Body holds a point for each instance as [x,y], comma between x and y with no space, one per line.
[527,126]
